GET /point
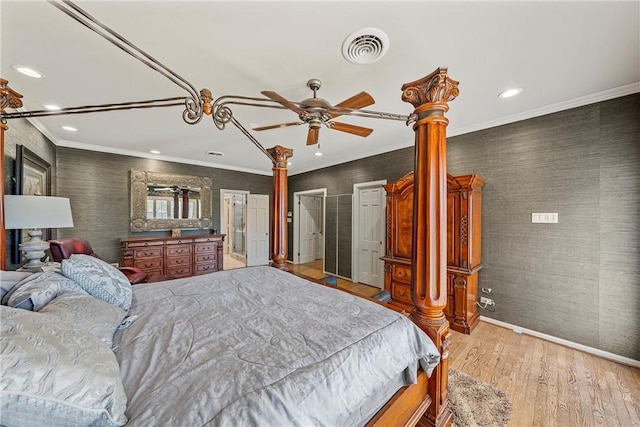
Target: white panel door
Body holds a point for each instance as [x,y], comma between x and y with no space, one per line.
[307,230]
[371,229]
[257,229]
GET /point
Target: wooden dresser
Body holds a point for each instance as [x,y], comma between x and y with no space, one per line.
[464,256]
[176,256]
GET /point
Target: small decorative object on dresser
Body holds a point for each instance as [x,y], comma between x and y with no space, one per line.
[181,256]
[464,256]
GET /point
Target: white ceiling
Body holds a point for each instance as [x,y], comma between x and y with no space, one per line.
[563,54]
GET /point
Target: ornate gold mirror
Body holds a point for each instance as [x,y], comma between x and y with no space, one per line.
[164,201]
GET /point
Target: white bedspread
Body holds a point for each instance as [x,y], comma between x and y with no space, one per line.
[257,346]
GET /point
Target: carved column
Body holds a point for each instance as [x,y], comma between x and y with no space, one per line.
[8,99]
[429,96]
[279,235]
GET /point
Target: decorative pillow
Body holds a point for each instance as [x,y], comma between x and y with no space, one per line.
[100,279]
[8,279]
[35,291]
[55,374]
[88,313]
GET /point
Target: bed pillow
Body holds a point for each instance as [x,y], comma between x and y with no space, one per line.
[100,279]
[55,374]
[83,311]
[8,279]
[35,291]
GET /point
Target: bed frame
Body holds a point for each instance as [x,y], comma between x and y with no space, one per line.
[424,403]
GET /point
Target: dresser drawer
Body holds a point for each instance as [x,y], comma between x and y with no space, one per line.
[401,273]
[206,258]
[149,264]
[180,271]
[205,268]
[205,247]
[177,261]
[178,250]
[401,292]
[148,252]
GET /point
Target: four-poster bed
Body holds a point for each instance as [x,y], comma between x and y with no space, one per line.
[429,95]
[424,403]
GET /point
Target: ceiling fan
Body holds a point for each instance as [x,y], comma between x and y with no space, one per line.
[316,112]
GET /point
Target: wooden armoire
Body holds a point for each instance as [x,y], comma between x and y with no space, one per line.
[464,256]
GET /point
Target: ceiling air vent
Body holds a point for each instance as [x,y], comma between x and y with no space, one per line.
[215,153]
[365,46]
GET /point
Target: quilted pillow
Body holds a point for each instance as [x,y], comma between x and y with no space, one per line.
[35,291]
[55,374]
[100,279]
[88,313]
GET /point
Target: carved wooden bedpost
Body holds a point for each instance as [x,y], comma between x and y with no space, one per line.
[8,99]
[429,96]
[279,235]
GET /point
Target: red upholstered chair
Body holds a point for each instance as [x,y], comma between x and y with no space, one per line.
[64,248]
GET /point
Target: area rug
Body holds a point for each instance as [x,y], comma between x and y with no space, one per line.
[475,403]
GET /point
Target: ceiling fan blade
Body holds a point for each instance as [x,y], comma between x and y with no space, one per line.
[281,125]
[286,103]
[356,130]
[361,100]
[312,136]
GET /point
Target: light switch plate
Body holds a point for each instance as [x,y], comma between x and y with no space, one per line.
[545,218]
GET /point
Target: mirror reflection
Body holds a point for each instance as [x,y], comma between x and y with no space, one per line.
[173,202]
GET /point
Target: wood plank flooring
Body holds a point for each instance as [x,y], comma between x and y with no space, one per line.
[549,384]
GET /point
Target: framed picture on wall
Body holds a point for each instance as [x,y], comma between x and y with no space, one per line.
[32,177]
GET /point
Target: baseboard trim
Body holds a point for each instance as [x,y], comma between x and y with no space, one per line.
[595,351]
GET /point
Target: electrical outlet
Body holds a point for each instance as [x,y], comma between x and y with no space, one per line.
[486,290]
[486,301]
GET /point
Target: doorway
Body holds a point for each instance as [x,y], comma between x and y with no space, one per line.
[234,225]
[368,233]
[309,225]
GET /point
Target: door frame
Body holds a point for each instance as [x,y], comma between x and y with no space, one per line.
[296,220]
[223,192]
[355,218]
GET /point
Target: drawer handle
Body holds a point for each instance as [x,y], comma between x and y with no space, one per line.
[179,241]
[180,251]
[146,244]
[180,261]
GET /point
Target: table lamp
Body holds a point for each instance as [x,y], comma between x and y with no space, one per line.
[32,213]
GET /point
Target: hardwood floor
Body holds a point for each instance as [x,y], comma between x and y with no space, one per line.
[314,269]
[549,384]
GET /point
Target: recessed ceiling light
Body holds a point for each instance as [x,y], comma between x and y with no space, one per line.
[27,71]
[51,107]
[70,128]
[215,153]
[365,46]
[510,92]
[318,153]
[154,151]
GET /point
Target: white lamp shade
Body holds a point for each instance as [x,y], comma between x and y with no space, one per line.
[26,212]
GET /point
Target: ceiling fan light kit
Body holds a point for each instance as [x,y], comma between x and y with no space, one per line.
[317,112]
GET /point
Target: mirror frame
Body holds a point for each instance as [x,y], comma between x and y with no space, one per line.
[139,181]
